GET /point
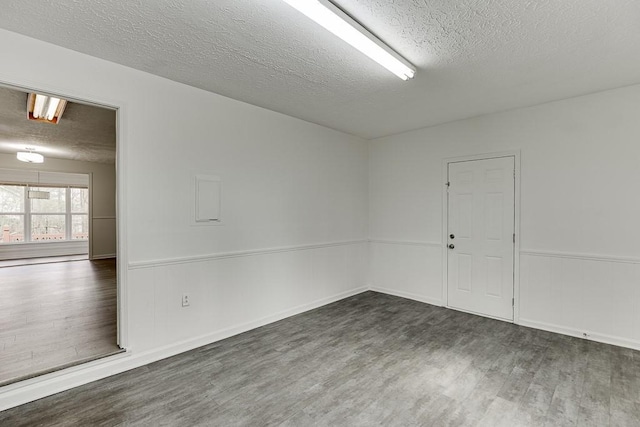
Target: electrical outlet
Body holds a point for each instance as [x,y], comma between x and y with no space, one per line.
[185,300]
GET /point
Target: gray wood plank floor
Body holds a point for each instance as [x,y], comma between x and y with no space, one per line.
[55,315]
[368,360]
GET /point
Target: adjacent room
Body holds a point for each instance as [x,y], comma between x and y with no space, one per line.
[326,212]
[57,248]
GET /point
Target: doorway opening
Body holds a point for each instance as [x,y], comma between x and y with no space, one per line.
[58,234]
[480,221]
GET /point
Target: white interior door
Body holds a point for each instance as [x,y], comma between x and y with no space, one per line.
[480,236]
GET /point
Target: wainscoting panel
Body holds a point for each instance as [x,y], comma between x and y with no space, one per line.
[239,291]
[578,294]
[595,297]
[407,269]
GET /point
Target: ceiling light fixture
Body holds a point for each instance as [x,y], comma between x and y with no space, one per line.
[38,194]
[30,156]
[342,25]
[45,108]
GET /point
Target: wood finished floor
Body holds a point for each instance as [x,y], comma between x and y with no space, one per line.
[41,260]
[369,360]
[55,315]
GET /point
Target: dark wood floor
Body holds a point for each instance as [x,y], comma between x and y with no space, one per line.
[55,315]
[370,360]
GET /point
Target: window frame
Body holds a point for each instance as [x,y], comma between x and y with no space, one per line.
[70,214]
[23,213]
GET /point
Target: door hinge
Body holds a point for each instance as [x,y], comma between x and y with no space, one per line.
[514,173]
[513,302]
[448,184]
[514,237]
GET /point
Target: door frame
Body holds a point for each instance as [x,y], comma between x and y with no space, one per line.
[121,109]
[516,154]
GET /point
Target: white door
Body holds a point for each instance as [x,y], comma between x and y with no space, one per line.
[480,236]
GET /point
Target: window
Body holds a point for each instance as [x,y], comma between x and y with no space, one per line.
[61,217]
[79,214]
[12,213]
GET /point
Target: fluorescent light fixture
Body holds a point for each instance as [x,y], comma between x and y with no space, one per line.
[34,194]
[342,25]
[30,157]
[45,108]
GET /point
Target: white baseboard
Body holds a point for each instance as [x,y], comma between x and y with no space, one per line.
[593,336]
[36,388]
[408,295]
[104,256]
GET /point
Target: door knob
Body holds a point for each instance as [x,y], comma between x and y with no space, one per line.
[451,246]
[451,236]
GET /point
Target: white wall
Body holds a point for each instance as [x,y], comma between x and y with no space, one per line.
[294,204]
[103,207]
[580,239]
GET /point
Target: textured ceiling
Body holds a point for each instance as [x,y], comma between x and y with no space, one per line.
[473,56]
[84,133]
